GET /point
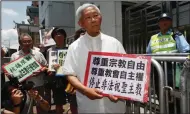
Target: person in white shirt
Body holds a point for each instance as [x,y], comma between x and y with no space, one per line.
[90,100]
[25,42]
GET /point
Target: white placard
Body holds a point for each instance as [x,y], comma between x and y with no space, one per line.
[61,54]
[52,60]
[123,75]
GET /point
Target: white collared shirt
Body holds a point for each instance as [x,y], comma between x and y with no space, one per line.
[75,64]
[38,80]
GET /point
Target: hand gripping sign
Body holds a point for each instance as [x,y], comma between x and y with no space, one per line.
[61,59]
[57,57]
[23,67]
[52,60]
[125,76]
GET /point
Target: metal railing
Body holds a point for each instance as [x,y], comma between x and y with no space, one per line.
[165,95]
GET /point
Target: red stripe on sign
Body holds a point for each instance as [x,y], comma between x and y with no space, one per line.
[145,97]
[87,68]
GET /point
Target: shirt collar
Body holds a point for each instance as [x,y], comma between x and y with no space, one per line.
[167,33]
[92,38]
[31,52]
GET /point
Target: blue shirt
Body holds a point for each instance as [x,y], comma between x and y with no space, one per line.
[182,45]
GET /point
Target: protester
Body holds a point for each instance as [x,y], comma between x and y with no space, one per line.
[32,47]
[57,84]
[25,42]
[90,100]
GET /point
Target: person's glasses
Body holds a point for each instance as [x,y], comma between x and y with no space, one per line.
[26,42]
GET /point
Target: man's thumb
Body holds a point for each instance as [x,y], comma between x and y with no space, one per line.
[43,69]
[98,91]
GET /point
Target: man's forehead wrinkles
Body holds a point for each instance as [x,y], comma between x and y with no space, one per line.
[90,9]
[90,12]
[26,39]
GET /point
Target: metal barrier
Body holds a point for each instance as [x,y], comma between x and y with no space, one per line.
[173,98]
[177,94]
[185,88]
[136,107]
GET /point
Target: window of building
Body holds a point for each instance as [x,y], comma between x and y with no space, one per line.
[42,2]
[81,3]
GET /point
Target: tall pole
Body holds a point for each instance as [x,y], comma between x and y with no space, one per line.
[177,14]
[9,48]
[164,7]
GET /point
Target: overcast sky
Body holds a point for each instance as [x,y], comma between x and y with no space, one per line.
[12,11]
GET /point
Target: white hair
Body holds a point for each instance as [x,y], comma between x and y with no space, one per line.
[84,6]
[23,35]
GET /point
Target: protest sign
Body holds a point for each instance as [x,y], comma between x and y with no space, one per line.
[61,54]
[23,67]
[52,60]
[123,75]
[45,37]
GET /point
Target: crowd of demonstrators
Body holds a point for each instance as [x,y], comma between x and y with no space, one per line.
[89,38]
[44,80]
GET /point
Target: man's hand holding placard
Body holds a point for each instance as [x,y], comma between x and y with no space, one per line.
[92,93]
[23,67]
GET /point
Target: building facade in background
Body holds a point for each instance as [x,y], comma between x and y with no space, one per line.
[132,23]
[33,27]
[140,22]
[62,14]
[33,12]
[32,30]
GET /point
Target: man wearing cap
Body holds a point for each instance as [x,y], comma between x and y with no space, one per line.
[58,84]
[90,100]
[167,41]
